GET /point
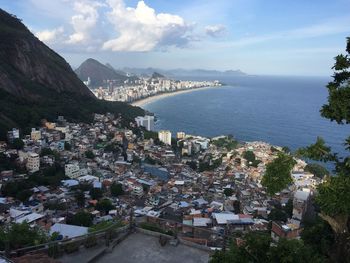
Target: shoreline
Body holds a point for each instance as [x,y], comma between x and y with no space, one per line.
[142,102]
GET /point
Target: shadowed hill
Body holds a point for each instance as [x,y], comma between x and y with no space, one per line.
[37,83]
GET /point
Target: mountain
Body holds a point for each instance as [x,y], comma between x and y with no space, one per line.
[180,73]
[156,75]
[98,73]
[37,83]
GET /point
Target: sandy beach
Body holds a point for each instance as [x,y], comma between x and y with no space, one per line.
[141,103]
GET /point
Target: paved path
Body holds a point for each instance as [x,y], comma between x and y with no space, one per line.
[141,248]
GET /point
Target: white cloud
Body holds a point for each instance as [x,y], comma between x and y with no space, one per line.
[142,29]
[84,22]
[215,30]
[111,25]
[50,36]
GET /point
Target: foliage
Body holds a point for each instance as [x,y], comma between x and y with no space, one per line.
[249,156]
[293,251]
[155,228]
[89,154]
[256,248]
[96,193]
[226,142]
[228,191]
[278,173]
[318,235]
[285,149]
[333,194]
[80,198]
[207,166]
[316,169]
[150,135]
[105,225]
[67,146]
[116,189]
[18,144]
[81,218]
[251,159]
[14,236]
[338,107]
[18,189]
[104,205]
[278,214]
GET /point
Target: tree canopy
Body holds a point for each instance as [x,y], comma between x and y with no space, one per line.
[256,248]
[116,189]
[14,236]
[278,173]
[333,194]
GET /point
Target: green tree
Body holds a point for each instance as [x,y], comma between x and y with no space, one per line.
[96,193]
[89,154]
[319,235]
[278,214]
[67,146]
[104,205]
[249,156]
[278,173]
[18,144]
[80,198]
[293,251]
[316,169]
[15,236]
[228,191]
[257,248]
[116,189]
[333,195]
[81,218]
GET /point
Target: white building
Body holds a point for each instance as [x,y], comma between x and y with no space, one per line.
[33,162]
[165,137]
[180,135]
[146,121]
[72,170]
[137,191]
[35,135]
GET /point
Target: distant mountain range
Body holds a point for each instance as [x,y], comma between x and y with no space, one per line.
[100,73]
[37,83]
[178,73]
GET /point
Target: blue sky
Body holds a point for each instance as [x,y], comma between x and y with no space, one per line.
[274,37]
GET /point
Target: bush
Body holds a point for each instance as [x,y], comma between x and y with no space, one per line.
[71,247]
[90,241]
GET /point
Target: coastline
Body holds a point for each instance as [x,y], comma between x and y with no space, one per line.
[142,102]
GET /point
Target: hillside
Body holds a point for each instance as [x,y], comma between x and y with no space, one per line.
[98,73]
[38,83]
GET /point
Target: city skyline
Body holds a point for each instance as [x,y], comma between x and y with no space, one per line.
[271,38]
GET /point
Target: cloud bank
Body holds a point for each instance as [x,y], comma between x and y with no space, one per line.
[111,25]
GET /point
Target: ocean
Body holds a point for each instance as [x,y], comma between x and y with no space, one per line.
[282,111]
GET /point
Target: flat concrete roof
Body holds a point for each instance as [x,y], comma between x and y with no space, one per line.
[142,248]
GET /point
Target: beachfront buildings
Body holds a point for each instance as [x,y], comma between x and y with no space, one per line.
[145,121]
[165,136]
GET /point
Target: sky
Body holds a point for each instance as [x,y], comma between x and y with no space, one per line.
[267,37]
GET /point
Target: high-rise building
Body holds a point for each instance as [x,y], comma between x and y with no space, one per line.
[33,162]
[165,137]
[146,121]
